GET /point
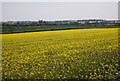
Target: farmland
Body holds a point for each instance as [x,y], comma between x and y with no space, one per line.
[22,29]
[66,54]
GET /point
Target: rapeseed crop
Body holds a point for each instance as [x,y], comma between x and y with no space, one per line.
[68,54]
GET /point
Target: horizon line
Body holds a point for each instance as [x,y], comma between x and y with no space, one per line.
[62,19]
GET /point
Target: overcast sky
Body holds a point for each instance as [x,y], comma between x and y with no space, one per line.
[58,10]
[60,0]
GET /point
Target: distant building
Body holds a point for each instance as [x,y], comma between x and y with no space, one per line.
[64,22]
[111,22]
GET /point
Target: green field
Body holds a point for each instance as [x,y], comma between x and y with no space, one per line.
[67,54]
[22,29]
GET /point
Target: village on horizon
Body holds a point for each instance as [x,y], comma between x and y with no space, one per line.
[63,22]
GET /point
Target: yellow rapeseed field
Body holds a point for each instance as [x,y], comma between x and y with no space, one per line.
[67,54]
